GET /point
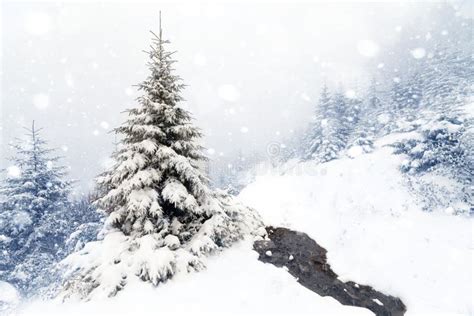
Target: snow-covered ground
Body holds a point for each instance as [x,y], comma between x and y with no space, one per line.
[9,297]
[360,210]
[376,234]
[234,283]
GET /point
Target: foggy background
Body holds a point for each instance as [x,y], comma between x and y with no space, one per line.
[253,70]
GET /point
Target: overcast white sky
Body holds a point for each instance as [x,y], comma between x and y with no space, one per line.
[253,70]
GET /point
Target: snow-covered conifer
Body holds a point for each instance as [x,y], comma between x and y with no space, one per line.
[373,98]
[314,137]
[335,130]
[163,217]
[32,217]
[333,123]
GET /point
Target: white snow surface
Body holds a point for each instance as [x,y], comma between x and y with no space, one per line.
[360,210]
[8,293]
[235,283]
[9,296]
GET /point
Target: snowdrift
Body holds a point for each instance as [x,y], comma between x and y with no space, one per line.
[235,283]
[361,210]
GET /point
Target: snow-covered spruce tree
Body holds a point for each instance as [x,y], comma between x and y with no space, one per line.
[314,136]
[335,129]
[163,218]
[440,149]
[352,113]
[368,123]
[33,224]
[439,163]
[375,117]
[403,105]
[361,123]
[85,221]
[414,92]
[373,99]
[398,95]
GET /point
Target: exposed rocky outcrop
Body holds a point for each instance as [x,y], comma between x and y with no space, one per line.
[306,261]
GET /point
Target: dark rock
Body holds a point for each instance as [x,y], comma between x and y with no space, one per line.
[307,261]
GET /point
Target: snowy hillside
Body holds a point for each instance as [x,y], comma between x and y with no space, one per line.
[233,284]
[362,211]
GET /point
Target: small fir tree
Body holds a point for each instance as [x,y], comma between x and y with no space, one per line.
[335,129]
[32,218]
[163,217]
[314,137]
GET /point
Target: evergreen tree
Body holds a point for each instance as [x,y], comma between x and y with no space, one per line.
[374,111]
[314,137]
[162,216]
[32,218]
[406,95]
[398,95]
[85,221]
[447,79]
[414,92]
[363,127]
[335,129]
[353,112]
[335,119]
[373,100]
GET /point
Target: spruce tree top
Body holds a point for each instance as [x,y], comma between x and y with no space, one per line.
[38,187]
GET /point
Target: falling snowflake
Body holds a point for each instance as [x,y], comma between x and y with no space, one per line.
[104,125]
[14,172]
[367,48]
[211,151]
[244,129]
[129,91]
[69,80]
[418,53]
[228,92]
[351,94]
[305,97]
[41,101]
